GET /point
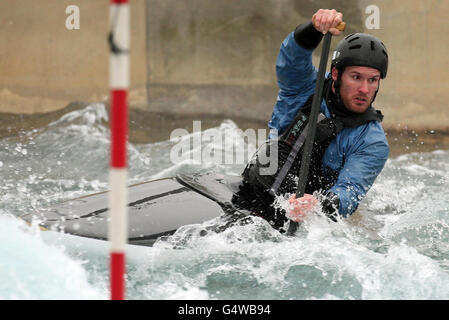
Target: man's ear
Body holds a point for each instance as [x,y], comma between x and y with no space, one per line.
[334,73]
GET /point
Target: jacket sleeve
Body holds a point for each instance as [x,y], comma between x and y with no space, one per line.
[296,81]
[294,69]
[357,176]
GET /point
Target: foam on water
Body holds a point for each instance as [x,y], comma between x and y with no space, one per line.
[30,269]
[254,261]
[394,247]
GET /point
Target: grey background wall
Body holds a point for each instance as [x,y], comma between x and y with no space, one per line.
[212,57]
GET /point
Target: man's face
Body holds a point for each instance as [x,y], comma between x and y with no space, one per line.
[358,87]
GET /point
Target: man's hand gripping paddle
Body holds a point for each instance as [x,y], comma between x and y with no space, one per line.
[316,102]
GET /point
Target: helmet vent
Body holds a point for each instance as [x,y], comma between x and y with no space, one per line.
[349,36]
[357,46]
[385,53]
[372,45]
[353,39]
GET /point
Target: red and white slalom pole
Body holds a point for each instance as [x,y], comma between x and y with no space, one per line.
[119,41]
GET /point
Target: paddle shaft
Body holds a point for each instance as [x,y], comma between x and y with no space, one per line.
[308,144]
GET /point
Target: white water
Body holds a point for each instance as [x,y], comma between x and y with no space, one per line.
[394,247]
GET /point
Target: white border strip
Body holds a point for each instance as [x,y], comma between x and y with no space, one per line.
[118,218]
[119,63]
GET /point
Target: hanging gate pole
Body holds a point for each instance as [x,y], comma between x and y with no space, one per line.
[119,40]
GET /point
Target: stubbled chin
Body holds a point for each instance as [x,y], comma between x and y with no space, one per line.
[359,108]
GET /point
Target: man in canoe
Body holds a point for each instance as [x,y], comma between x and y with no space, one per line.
[350,147]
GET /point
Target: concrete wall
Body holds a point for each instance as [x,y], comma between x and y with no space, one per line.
[215,57]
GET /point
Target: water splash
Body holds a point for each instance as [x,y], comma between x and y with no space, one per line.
[30,269]
[394,247]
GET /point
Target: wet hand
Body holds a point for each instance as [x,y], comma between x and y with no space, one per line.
[301,207]
[325,20]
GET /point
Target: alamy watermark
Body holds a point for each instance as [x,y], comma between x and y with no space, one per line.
[372,21]
[72,22]
[226,146]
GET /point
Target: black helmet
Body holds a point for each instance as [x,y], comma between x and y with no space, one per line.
[361,49]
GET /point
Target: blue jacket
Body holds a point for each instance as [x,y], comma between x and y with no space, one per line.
[357,154]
